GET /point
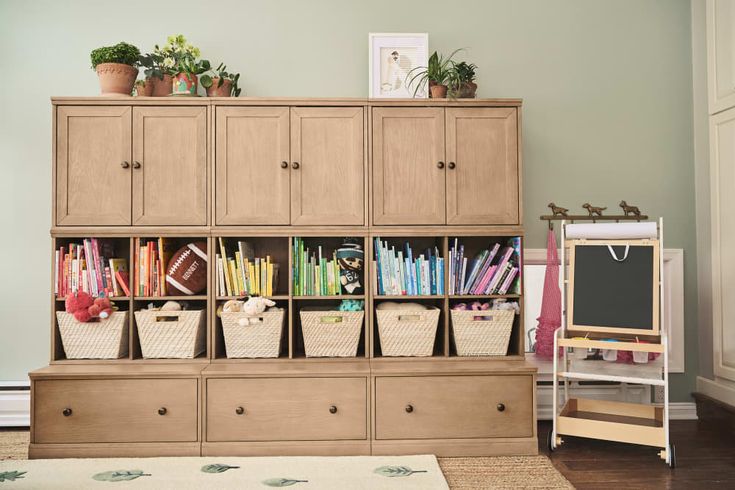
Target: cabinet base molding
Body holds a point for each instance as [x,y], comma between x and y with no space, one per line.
[287,448]
[456,448]
[113,450]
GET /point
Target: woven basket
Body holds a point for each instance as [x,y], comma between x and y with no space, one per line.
[105,339]
[407,332]
[262,339]
[171,334]
[331,333]
[482,333]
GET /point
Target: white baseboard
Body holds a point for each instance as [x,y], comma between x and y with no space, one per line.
[15,408]
[719,389]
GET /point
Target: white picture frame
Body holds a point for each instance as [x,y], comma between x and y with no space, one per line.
[391,57]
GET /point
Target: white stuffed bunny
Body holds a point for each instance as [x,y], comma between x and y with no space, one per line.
[254,306]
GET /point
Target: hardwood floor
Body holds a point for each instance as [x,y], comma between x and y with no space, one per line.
[705,455]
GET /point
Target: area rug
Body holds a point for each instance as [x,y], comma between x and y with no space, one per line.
[302,472]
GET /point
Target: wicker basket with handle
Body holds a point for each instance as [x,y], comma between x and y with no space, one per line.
[105,339]
[482,333]
[261,338]
[407,332]
[331,333]
[171,334]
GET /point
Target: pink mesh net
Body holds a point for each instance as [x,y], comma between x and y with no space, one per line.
[550,318]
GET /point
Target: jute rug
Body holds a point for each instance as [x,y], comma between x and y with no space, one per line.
[532,472]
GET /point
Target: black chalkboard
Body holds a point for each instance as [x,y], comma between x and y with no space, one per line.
[612,294]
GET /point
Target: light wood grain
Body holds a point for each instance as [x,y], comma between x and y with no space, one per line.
[281,409]
[408,183]
[328,166]
[482,166]
[252,144]
[93,184]
[169,149]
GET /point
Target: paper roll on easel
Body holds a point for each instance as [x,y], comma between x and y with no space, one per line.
[597,231]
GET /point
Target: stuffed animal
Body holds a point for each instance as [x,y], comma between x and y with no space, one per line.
[407,306]
[85,308]
[351,305]
[254,306]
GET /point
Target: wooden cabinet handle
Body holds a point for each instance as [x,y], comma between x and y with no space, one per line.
[136,165]
[409,408]
[501,407]
[66,412]
[239,410]
[162,411]
[284,164]
[452,165]
[333,409]
[295,165]
[440,165]
[125,164]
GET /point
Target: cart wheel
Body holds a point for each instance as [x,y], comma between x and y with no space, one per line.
[549,440]
[672,456]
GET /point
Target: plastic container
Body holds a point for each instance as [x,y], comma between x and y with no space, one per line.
[610,355]
[580,353]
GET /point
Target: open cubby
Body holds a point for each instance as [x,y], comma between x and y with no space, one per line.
[187,304]
[218,338]
[171,245]
[275,247]
[329,246]
[440,336]
[473,247]
[297,337]
[420,246]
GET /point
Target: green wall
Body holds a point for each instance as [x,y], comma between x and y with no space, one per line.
[607,89]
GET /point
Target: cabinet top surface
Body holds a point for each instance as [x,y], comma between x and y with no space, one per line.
[178,100]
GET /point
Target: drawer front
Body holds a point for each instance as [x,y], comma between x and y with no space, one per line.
[115,410]
[453,407]
[286,409]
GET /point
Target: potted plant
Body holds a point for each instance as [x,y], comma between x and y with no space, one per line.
[181,59]
[221,83]
[144,88]
[116,67]
[439,74]
[157,73]
[465,74]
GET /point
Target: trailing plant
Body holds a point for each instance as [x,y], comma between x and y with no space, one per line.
[122,52]
[221,73]
[179,56]
[439,71]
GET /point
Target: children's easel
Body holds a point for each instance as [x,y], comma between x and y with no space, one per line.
[614,325]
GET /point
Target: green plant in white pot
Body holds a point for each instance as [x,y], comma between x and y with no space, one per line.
[116,67]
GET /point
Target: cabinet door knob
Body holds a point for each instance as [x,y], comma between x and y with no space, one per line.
[66,412]
[284,164]
[409,408]
[500,407]
[239,410]
[452,165]
[333,409]
[136,165]
[295,165]
[125,164]
[440,165]
[162,411]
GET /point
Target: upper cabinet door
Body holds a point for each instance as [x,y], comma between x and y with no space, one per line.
[408,166]
[252,166]
[170,166]
[93,165]
[721,54]
[327,166]
[482,166]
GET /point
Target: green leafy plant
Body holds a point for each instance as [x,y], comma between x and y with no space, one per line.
[221,74]
[439,71]
[178,56]
[122,52]
[465,71]
[153,65]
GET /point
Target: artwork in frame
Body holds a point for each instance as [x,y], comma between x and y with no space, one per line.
[392,57]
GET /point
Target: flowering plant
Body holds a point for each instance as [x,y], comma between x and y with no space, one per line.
[179,56]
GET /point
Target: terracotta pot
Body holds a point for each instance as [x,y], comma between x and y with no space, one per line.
[467,90]
[116,78]
[161,88]
[438,91]
[185,84]
[144,89]
[224,91]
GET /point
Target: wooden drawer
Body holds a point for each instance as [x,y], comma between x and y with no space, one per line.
[283,409]
[115,410]
[453,407]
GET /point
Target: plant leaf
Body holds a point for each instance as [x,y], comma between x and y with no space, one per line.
[393,471]
[119,475]
[217,468]
[11,475]
[282,482]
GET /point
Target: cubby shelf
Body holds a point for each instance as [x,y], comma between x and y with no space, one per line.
[194,297]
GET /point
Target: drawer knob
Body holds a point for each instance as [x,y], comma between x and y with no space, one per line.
[409,408]
[125,165]
[284,164]
[295,165]
[66,412]
[333,409]
[239,410]
[136,165]
[452,165]
[162,411]
[439,164]
[500,407]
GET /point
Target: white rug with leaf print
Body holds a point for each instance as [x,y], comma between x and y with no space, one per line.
[294,473]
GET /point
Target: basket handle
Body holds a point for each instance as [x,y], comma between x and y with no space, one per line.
[482,316]
[409,318]
[331,319]
[167,318]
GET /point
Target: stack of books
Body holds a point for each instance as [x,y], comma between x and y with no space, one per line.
[244,274]
[405,273]
[495,270]
[314,273]
[151,258]
[84,267]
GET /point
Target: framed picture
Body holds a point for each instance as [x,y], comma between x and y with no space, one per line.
[392,57]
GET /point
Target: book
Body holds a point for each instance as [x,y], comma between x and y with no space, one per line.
[315,272]
[400,274]
[121,277]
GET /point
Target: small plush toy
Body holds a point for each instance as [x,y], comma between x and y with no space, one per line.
[351,305]
[86,308]
[254,306]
